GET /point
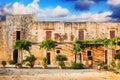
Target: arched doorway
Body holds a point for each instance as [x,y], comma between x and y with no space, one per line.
[15,56]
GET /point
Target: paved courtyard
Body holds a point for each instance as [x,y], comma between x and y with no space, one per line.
[56,74]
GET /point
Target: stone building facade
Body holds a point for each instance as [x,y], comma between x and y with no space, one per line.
[26,27]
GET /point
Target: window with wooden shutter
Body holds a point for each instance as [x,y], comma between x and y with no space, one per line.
[112,34]
[81,35]
[22,34]
[48,34]
[14,36]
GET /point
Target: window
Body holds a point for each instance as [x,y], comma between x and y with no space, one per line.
[81,34]
[58,51]
[48,34]
[119,43]
[117,51]
[112,34]
[17,35]
[89,53]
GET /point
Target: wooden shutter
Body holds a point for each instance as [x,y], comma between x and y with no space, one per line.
[113,53]
[22,34]
[14,36]
[112,34]
[48,34]
[81,35]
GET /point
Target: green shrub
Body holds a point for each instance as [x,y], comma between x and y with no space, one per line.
[77,65]
[3,62]
[61,63]
[11,62]
[18,64]
[118,66]
[100,63]
[29,64]
[61,58]
[105,67]
[112,65]
[90,58]
[117,55]
[44,61]
[30,58]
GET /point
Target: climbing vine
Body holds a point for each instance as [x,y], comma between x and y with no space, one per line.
[97,42]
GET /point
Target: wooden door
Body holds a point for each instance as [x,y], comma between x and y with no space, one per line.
[81,35]
[106,54]
[48,58]
[113,53]
[48,34]
[15,56]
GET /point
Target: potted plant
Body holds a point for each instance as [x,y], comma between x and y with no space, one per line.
[90,61]
[99,65]
[117,57]
[61,59]
[18,65]
[61,64]
[44,63]
[3,63]
[11,62]
[29,65]
[31,59]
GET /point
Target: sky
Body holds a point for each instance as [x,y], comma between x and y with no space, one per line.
[64,10]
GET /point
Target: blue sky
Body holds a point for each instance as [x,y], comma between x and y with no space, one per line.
[64,10]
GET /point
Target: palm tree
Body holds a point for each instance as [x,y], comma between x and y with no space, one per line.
[21,45]
[48,44]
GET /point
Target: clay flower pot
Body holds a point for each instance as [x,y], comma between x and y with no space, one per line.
[99,67]
[18,65]
[44,66]
[90,63]
[117,61]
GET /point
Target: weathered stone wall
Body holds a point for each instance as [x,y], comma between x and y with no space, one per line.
[4,55]
[36,32]
[17,23]
[68,31]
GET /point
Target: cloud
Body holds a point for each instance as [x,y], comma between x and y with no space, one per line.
[97,17]
[83,5]
[32,8]
[19,8]
[5,10]
[114,5]
[114,2]
[60,12]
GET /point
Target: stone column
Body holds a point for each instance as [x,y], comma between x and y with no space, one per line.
[109,56]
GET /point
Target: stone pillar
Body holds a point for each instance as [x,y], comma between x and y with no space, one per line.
[109,56]
[45,53]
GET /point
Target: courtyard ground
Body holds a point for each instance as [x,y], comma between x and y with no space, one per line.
[56,74]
